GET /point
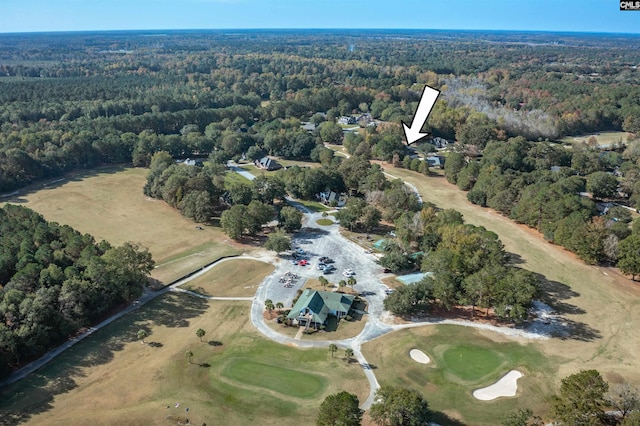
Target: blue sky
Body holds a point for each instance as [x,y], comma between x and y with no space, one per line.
[542,15]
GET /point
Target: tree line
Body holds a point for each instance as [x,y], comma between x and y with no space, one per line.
[55,281]
[79,101]
[558,191]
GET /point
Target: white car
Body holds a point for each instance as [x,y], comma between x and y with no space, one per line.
[348,273]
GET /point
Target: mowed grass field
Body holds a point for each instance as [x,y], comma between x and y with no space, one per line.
[603,138]
[236,377]
[109,204]
[231,278]
[600,308]
[462,360]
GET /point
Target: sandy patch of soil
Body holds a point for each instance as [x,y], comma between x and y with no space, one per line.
[418,356]
[506,386]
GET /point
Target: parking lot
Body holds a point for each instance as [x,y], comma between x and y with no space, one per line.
[317,241]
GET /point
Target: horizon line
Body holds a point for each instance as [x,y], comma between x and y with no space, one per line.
[313,29]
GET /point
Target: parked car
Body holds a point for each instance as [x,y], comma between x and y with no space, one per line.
[300,251]
[302,262]
[348,273]
[321,266]
[294,262]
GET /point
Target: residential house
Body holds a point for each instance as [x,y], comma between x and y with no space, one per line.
[439,142]
[314,307]
[308,126]
[346,120]
[329,197]
[190,162]
[435,161]
[267,163]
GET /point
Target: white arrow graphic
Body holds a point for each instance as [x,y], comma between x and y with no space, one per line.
[427,101]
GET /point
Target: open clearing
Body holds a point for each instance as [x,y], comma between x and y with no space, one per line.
[111,378]
[446,384]
[231,278]
[602,138]
[600,309]
[109,204]
[471,363]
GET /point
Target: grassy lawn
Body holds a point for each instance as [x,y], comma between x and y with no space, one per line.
[338,149]
[602,138]
[224,280]
[462,360]
[231,177]
[335,330]
[392,282]
[251,168]
[289,163]
[109,204]
[600,307]
[324,222]
[470,363]
[278,379]
[190,260]
[111,378]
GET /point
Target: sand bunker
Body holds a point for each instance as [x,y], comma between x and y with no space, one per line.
[506,386]
[418,356]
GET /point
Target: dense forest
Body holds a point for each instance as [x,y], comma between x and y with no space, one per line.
[79,100]
[55,280]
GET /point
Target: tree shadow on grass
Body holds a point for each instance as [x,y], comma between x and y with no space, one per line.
[555,294]
[442,419]
[214,343]
[54,182]
[175,310]
[35,393]
[515,259]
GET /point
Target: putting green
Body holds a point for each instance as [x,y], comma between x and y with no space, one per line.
[324,222]
[282,380]
[471,363]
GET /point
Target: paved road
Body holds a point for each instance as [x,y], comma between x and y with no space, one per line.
[239,170]
[318,241]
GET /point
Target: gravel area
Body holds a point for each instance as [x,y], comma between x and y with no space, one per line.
[318,241]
